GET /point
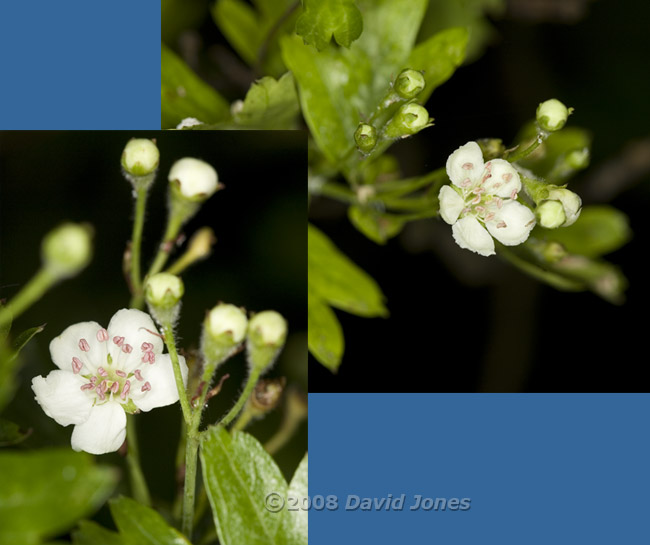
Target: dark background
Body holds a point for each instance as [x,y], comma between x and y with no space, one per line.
[478,324]
[258,261]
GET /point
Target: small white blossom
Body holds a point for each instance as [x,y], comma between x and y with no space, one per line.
[571,202]
[196,178]
[102,373]
[482,202]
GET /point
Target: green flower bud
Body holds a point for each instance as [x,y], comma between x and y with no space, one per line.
[195,180]
[571,203]
[267,332]
[140,157]
[365,137]
[409,83]
[550,214]
[578,159]
[224,329]
[409,119]
[163,292]
[552,115]
[67,249]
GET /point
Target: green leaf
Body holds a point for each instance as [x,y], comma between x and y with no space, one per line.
[598,231]
[337,280]
[323,19]
[269,104]
[141,525]
[184,94]
[11,434]
[91,533]
[44,492]
[23,339]
[239,24]
[438,57]
[239,475]
[377,226]
[294,524]
[338,86]
[325,336]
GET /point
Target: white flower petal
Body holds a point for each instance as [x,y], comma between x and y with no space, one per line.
[504,179]
[466,162]
[451,204]
[61,397]
[160,377]
[137,328]
[469,234]
[512,223]
[103,432]
[66,346]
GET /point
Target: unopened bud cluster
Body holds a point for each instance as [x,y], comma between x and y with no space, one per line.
[163,293]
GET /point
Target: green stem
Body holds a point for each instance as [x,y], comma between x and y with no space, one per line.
[250,385]
[138,482]
[521,154]
[26,297]
[168,332]
[136,244]
[338,192]
[191,449]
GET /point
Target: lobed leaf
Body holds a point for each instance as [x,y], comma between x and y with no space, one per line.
[269,104]
[325,335]
[323,19]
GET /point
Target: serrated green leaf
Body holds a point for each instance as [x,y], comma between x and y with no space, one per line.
[338,281]
[438,57]
[91,533]
[338,86]
[239,475]
[325,336]
[323,19]
[599,230]
[377,226]
[11,434]
[269,104]
[184,94]
[141,525]
[294,524]
[44,492]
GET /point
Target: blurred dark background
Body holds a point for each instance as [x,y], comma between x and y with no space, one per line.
[477,324]
[258,261]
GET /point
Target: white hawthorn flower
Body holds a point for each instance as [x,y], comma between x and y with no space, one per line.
[482,202]
[196,179]
[102,373]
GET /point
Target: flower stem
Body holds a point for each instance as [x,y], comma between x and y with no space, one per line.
[26,297]
[523,153]
[136,243]
[174,224]
[191,448]
[168,332]
[138,482]
[252,381]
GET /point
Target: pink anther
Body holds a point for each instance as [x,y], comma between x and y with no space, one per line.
[103,386]
[102,395]
[146,347]
[507,176]
[480,209]
[127,348]
[120,373]
[77,364]
[102,372]
[115,387]
[490,216]
[468,166]
[88,386]
[138,374]
[125,390]
[118,340]
[476,199]
[146,387]
[102,335]
[499,202]
[466,182]
[501,225]
[83,345]
[513,195]
[93,379]
[148,357]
